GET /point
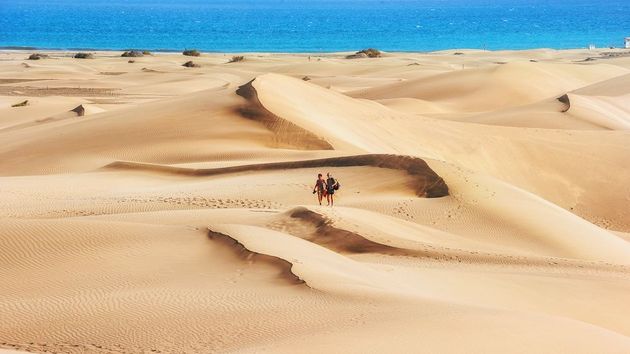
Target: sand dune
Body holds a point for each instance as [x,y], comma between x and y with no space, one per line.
[607,112]
[490,88]
[501,151]
[149,207]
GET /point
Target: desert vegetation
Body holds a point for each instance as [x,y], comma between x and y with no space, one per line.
[236,59]
[190,64]
[191,52]
[132,54]
[365,53]
[84,56]
[37,56]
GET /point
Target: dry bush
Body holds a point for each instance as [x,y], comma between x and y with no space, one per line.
[191,52]
[132,54]
[365,53]
[37,56]
[84,56]
[236,59]
[190,64]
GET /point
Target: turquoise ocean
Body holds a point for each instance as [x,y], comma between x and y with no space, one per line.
[313,26]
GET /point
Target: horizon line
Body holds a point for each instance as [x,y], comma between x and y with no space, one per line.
[168,50]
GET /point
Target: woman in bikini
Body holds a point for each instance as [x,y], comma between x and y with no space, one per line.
[320,188]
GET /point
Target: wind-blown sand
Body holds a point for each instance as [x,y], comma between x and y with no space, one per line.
[484,207]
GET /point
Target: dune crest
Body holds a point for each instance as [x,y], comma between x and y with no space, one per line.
[318,267]
[286,131]
[426,182]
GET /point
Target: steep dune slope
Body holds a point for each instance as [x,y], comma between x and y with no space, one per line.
[291,99]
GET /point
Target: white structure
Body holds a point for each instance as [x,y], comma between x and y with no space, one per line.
[628,42]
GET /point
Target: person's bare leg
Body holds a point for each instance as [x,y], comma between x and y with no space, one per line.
[332,199]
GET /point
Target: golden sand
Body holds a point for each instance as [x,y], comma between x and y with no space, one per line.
[150,207]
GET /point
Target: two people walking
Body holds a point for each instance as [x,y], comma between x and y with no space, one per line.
[326,188]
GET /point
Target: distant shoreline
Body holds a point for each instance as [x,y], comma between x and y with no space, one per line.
[167,51]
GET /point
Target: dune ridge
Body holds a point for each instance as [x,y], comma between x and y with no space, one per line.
[286,131]
[320,268]
[426,182]
[346,235]
[249,256]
